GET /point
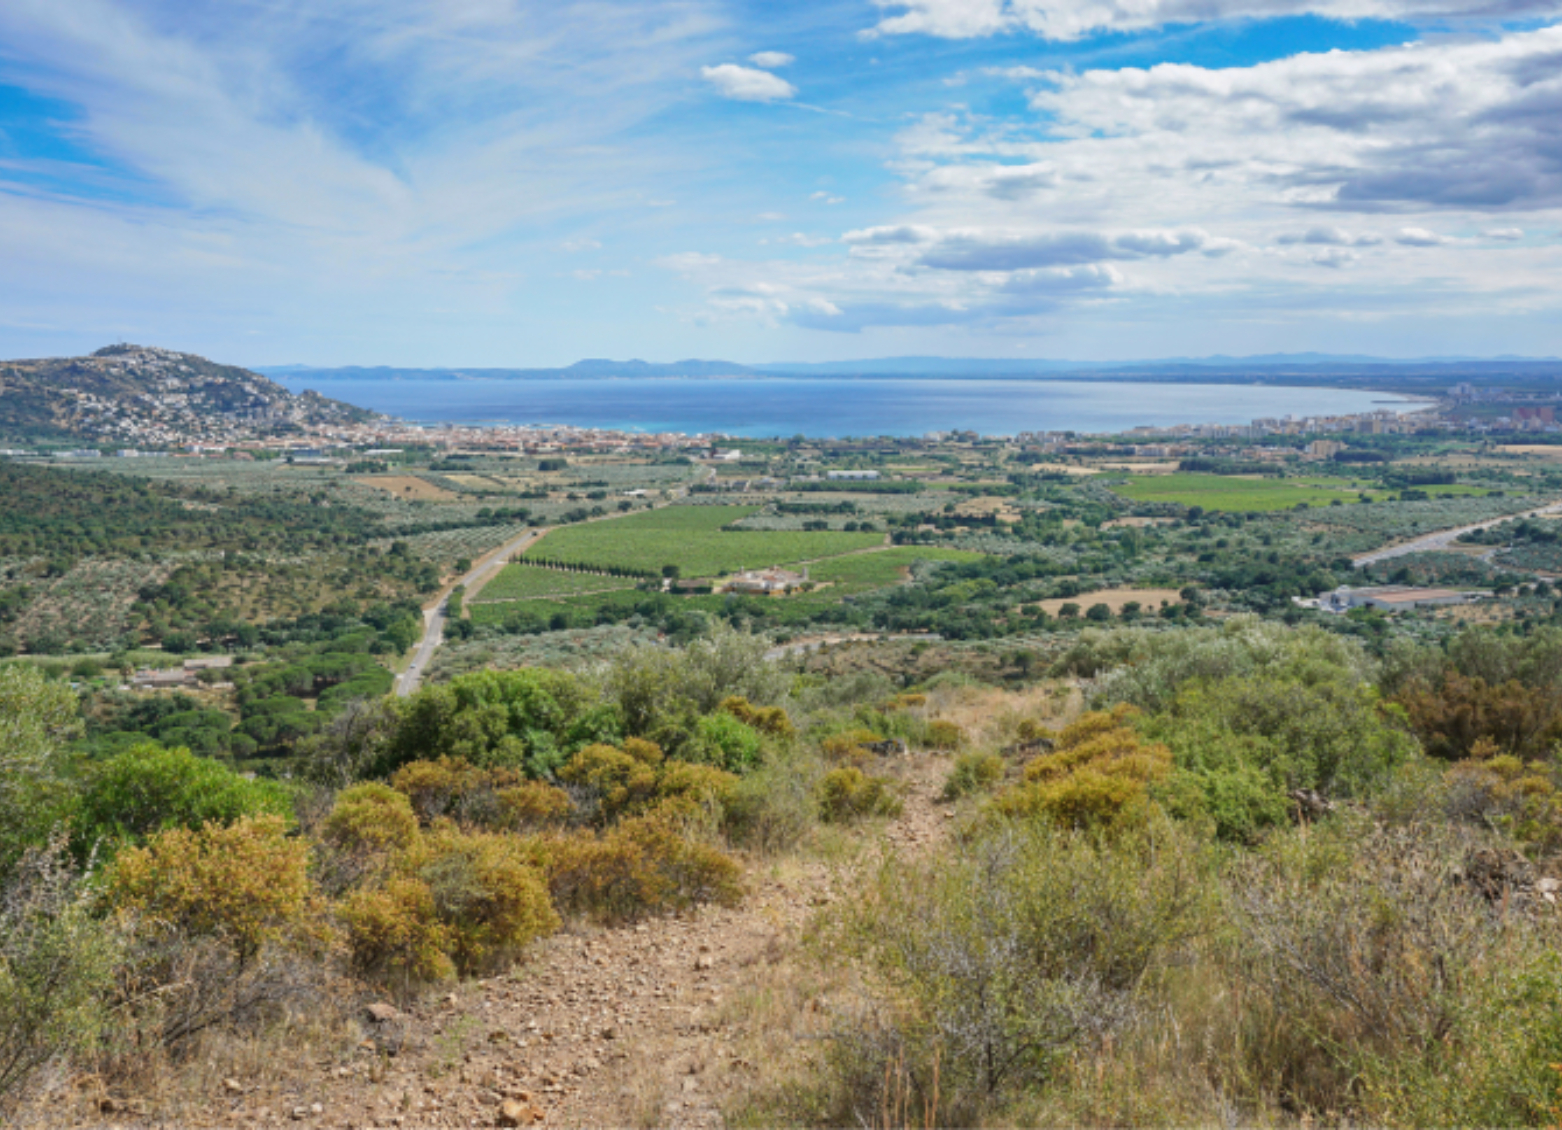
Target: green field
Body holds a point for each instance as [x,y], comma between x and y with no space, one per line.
[691,538]
[883,567]
[528,582]
[1231,492]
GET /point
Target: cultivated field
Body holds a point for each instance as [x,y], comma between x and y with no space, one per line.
[530,582]
[883,567]
[692,538]
[409,487]
[1149,599]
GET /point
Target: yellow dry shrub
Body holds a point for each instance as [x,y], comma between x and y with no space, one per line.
[690,786]
[394,933]
[1518,797]
[766,719]
[438,788]
[905,701]
[847,793]
[642,750]
[848,746]
[942,734]
[622,782]
[370,819]
[643,866]
[247,882]
[532,805]
[486,893]
[1096,777]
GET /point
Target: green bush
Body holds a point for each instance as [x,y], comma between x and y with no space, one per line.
[57,966]
[973,773]
[722,740]
[1245,743]
[990,965]
[148,789]
[847,793]
[37,718]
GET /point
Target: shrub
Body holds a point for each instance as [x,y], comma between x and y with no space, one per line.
[847,793]
[1096,776]
[246,883]
[848,746]
[773,808]
[1462,714]
[766,719]
[609,782]
[533,805]
[945,735]
[57,963]
[486,892]
[371,819]
[148,789]
[1502,792]
[37,718]
[1381,977]
[989,965]
[1245,743]
[455,788]
[394,934]
[973,772]
[724,741]
[690,789]
[643,866]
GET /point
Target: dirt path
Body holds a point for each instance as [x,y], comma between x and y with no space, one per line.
[632,1026]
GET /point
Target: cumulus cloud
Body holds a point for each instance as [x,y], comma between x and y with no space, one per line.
[982,251]
[1071,19]
[1419,237]
[747,84]
[1327,235]
[770,60]
[1506,234]
[891,234]
[1468,125]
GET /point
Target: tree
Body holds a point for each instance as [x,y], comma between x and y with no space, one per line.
[37,717]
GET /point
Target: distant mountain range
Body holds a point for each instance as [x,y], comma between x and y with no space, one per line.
[1277,367]
[133,395]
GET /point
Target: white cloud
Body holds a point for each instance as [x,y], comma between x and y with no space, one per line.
[746,84]
[582,245]
[1308,162]
[1507,234]
[827,198]
[771,217]
[1071,19]
[1330,236]
[770,60]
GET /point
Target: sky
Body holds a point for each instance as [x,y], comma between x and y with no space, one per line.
[529,182]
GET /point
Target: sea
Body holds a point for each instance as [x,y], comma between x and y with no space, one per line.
[818,407]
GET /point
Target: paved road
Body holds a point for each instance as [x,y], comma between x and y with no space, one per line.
[434,618]
[1442,539]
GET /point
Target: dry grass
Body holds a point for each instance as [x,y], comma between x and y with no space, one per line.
[991,716]
[409,487]
[1114,599]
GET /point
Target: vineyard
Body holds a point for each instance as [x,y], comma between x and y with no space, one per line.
[530,582]
[693,539]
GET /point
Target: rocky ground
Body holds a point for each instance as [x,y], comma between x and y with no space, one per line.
[644,1025]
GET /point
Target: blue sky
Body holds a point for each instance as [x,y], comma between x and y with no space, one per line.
[511,182]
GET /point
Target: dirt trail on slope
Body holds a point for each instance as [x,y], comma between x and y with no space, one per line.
[632,1026]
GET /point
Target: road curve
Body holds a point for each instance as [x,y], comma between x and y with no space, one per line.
[434,618]
[1442,539]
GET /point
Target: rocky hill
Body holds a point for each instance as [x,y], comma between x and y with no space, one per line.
[142,396]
